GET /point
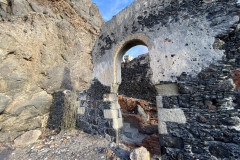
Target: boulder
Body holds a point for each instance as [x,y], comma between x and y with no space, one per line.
[140,153]
[22,123]
[141,113]
[28,138]
[9,136]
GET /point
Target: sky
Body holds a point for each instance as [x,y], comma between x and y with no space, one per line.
[137,50]
[109,8]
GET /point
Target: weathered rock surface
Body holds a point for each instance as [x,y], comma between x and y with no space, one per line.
[28,138]
[4,100]
[45,47]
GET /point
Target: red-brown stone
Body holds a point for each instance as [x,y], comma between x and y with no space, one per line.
[236,78]
[152,144]
[130,104]
[129,145]
[212,107]
[134,119]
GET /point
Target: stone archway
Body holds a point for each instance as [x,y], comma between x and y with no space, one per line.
[120,50]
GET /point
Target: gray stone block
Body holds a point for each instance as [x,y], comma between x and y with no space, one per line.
[126,126]
[159,101]
[162,128]
[111,113]
[171,115]
[167,89]
[117,123]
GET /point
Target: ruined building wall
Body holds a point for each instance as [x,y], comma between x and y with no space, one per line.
[177,33]
[194,56]
[210,102]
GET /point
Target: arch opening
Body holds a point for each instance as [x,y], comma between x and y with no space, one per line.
[136,93]
[119,56]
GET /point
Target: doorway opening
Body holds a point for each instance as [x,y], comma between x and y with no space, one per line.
[137,98]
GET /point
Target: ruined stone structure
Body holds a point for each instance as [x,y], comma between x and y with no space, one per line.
[194,49]
[195,60]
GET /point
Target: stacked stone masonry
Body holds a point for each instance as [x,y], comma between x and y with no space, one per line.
[194,57]
[136,79]
[94,115]
[210,103]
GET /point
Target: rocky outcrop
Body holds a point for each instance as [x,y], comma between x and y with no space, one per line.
[45,47]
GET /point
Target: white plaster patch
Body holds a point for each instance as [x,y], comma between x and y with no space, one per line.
[228,104]
[208,1]
[184,50]
[103,71]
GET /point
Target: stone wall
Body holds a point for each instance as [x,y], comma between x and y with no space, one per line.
[179,34]
[210,102]
[194,57]
[136,79]
[94,115]
[41,56]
